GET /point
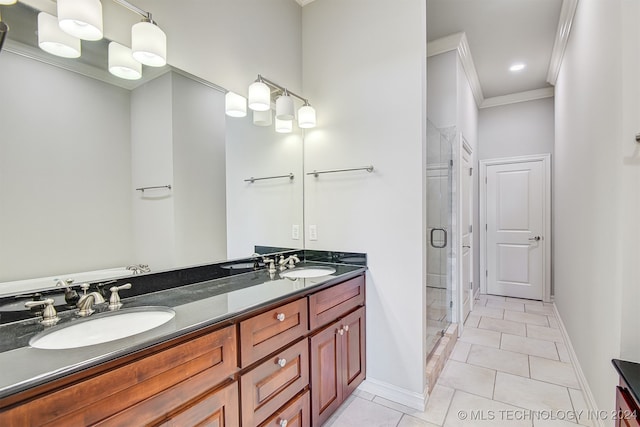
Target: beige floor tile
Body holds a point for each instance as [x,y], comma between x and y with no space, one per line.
[506,326]
[544,333]
[500,360]
[534,319]
[437,405]
[546,310]
[479,302]
[393,405]
[468,410]
[553,371]
[507,305]
[364,394]
[553,322]
[563,352]
[480,336]
[554,422]
[531,346]
[531,394]
[496,313]
[493,297]
[580,407]
[362,412]
[465,377]
[525,301]
[460,351]
[409,421]
[472,320]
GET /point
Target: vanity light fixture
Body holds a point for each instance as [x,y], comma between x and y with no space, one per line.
[122,64]
[53,40]
[148,41]
[260,93]
[81,18]
[8,2]
[235,105]
[284,126]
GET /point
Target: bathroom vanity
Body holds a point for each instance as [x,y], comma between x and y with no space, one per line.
[627,394]
[245,350]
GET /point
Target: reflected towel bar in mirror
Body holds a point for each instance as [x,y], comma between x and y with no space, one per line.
[252,179]
[154,187]
[364,168]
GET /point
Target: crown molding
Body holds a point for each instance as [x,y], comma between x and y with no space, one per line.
[459,43]
[303,3]
[567,13]
[513,98]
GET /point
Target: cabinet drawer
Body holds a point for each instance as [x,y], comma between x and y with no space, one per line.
[265,333]
[219,408]
[296,413]
[274,382]
[139,391]
[329,304]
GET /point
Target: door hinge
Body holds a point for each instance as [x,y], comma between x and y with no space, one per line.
[485,179]
[470,171]
[470,285]
[450,304]
[486,227]
[486,273]
[450,162]
[471,228]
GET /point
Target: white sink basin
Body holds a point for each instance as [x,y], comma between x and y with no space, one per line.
[102,328]
[307,272]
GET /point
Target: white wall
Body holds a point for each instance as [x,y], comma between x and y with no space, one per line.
[65,172]
[367,82]
[595,191]
[520,129]
[442,102]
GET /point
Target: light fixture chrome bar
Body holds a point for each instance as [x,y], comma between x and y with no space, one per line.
[364,168]
[252,179]
[274,85]
[154,187]
[134,8]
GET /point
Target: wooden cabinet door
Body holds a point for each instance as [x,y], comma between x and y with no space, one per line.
[353,350]
[627,409]
[326,366]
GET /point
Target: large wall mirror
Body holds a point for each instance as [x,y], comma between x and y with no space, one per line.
[77,145]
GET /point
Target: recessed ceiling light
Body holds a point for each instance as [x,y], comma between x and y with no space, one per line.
[517,67]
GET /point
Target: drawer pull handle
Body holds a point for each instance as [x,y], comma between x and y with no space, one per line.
[282,362]
[280,317]
[341,331]
[283,423]
[346,328]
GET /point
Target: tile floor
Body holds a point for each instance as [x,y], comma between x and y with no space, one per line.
[510,367]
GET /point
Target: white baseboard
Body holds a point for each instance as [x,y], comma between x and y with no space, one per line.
[582,379]
[396,394]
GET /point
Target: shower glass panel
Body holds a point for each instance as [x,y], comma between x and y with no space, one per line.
[439,228]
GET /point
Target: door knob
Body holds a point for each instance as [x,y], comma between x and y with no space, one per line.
[535,239]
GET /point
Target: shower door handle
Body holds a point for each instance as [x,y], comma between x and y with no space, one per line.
[444,244]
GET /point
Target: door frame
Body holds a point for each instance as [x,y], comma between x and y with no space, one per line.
[546,199]
[464,147]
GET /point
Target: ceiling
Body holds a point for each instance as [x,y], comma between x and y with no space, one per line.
[500,33]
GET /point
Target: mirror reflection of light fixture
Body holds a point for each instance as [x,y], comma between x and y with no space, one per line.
[8,2]
[284,107]
[284,126]
[306,116]
[81,18]
[259,96]
[122,64]
[260,102]
[53,40]
[149,43]
[235,105]
[262,118]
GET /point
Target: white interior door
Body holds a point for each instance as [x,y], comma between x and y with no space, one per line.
[466,231]
[515,227]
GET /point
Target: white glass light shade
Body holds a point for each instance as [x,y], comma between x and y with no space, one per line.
[149,44]
[235,105]
[8,2]
[53,40]
[262,118]
[307,117]
[284,126]
[81,18]
[284,108]
[122,64]
[259,97]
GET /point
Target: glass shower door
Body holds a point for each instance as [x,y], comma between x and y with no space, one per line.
[439,229]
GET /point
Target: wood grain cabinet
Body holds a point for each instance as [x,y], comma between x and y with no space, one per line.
[337,351]
[627,409]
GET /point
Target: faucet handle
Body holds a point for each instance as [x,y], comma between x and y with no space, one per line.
[84,287]
[49,315]
[114,301]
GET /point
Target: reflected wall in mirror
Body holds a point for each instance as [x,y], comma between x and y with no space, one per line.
[73,150]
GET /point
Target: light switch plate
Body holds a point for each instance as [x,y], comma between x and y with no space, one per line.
[295,232]
[313,232]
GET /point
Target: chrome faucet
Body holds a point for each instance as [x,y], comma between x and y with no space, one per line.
[49,315]
[114,301]
[288,262]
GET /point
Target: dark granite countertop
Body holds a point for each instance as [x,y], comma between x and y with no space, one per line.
[196,306]
[630,373]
